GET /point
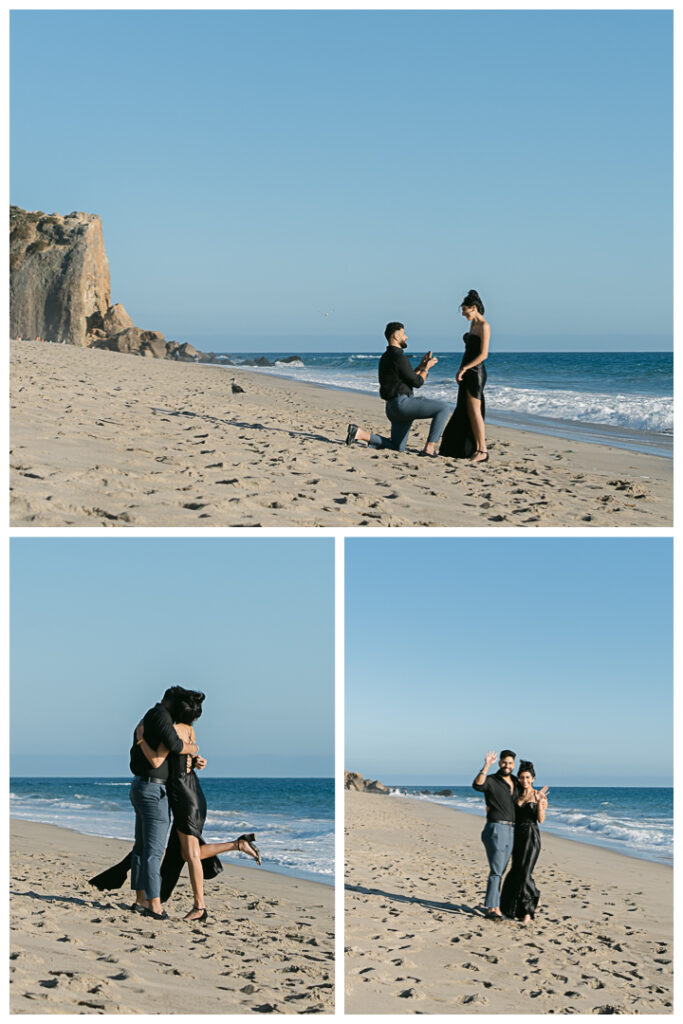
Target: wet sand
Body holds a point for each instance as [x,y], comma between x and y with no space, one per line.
[416,940]
[104,439]
[267,946]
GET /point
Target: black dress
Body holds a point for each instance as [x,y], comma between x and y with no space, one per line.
[185,796]
[188,804]
[519,895]
[457,440]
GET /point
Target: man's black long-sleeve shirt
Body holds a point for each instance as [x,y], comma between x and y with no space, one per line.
[396,374]
[159,728]
[500,799]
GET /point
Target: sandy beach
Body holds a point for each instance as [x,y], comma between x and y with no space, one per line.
[415,879]
[104,439]
[268,944]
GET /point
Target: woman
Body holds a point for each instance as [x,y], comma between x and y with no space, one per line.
[519,896]
[465,433]
[188,802]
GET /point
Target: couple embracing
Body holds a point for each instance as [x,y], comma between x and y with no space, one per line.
[164,760]
[514,810]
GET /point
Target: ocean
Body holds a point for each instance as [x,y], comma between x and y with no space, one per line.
[637,822]
[293,818]
[619,398]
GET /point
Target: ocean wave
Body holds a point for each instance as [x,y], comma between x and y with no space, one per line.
[652,413]
[637,412]
[296,363]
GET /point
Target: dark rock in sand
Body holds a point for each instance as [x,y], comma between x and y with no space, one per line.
[186,352]
[353,780]
[135,341]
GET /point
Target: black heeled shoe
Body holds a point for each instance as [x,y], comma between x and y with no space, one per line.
[196,920]
[249,837]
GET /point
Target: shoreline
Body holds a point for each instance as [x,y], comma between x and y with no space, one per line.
[303,876]
[268,945]
[547,829]
[554,428]
[417,941]
[104,439]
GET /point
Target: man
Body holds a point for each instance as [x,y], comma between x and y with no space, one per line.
[397,378]
[148,796]
[500,791]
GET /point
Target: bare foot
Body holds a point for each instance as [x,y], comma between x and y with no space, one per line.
[481,455]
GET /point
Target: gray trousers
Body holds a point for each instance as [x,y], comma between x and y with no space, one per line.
[498,840]
[402,411]
[152,818]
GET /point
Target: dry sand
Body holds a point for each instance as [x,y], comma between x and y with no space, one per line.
[267,945]
[103,439]
[415,941]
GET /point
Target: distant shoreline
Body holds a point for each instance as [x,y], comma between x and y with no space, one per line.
[554,830]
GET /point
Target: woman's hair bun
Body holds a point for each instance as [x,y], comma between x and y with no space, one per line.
[473,299]
[526,766]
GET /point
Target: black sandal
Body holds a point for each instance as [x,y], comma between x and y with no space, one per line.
[478,451]
[249,837]
[196,920]
[351,433]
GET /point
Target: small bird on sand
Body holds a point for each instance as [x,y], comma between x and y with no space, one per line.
[236,389]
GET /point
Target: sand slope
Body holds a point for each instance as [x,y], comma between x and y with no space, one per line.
[103,439]
[415,943]
[268,944]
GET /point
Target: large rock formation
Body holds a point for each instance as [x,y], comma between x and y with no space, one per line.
[60,291]
[59,275]
[353,780]
[60,288]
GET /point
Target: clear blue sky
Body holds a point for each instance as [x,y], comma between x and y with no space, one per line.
[558,649]
[257,169]
[100,628]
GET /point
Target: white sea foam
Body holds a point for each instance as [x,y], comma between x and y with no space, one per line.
[633,411]
[637,412]
[644,836]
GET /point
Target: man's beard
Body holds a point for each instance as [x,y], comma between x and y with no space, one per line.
[404,344]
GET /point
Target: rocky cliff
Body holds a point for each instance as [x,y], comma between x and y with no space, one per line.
[59,275]
[60,288]
[60,291]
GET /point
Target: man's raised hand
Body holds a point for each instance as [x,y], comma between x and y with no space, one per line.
[490,758]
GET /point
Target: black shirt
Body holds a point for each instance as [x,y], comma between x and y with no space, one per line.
[500,799]
[158,729]
[396,374]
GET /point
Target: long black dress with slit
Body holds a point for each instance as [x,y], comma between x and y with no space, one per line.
[188,805]
[457,440]
[519,895]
